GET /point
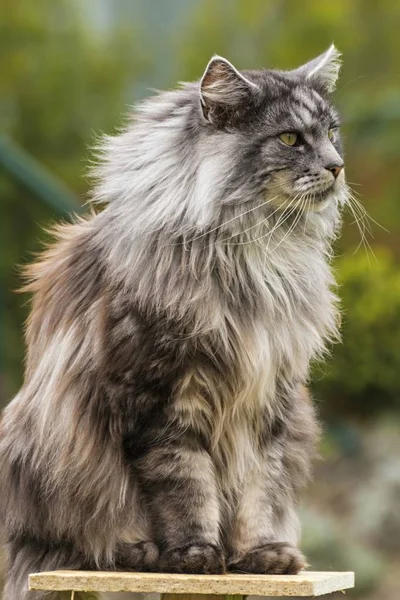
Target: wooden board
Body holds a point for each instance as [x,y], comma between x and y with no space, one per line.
[306,583]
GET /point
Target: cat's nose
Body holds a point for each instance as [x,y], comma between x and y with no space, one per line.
[335,169]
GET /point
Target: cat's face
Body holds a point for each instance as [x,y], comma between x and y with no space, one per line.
[287,138]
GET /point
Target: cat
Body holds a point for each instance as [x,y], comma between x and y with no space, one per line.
[164,423]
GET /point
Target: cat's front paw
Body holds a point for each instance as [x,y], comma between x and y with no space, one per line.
[274,558]
[142,556]
[193,558]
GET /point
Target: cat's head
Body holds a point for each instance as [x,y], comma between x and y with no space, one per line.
[287,133]
[203,157]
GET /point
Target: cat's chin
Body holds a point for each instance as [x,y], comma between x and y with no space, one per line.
[318,206]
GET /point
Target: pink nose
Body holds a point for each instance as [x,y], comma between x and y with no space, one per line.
[335,169]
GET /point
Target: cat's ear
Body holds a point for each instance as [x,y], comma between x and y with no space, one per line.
[323,71]
[222,88]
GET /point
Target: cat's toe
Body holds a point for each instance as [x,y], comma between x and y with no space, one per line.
[273,558]
[142,556]
[193,558]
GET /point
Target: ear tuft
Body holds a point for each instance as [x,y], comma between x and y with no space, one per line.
[222,86]
[323,70]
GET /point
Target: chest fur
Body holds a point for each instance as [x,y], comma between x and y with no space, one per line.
[264,336]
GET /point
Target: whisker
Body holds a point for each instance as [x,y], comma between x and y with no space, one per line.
[281,220]
[284,218]
[308,208]
[299,205]
[364,241]
[361,230]
[361,216]
[368,216]
[253,226]
[225,222]
[363,221]
[291,227]
[353,183]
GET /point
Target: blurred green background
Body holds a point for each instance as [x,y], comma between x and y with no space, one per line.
[70,70]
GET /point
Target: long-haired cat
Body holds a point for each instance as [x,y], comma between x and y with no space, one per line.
[164,423]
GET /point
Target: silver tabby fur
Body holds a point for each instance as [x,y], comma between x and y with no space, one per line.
[164,423]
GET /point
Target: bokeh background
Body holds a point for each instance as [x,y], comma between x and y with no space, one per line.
[69,71]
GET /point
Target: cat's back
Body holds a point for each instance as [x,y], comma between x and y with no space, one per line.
[65,282]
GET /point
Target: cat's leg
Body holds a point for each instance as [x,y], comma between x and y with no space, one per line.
[178,479]
[266,528]
[27,555]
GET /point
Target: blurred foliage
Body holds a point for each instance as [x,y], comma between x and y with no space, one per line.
[323,542]
[363,376]
[59,84]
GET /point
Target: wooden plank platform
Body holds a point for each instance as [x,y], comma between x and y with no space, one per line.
[306,583]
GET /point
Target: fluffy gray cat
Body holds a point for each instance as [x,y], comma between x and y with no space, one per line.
[164,422]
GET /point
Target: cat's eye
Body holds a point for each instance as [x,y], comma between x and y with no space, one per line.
[331,134]
[288,138]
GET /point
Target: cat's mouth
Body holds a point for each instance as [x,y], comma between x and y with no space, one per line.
[320,195]
[311,199]
[305,198]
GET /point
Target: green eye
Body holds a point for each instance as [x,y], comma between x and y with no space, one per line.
[289,138]
[331,134]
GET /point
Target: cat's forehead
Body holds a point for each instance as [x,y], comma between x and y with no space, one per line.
[306,109]
[290,102]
